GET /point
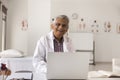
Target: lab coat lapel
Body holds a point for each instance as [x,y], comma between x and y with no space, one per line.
[50,37]
[65,45]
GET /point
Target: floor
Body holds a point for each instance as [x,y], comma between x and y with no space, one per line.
[101,66]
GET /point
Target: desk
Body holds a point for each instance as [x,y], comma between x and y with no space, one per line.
[42,76]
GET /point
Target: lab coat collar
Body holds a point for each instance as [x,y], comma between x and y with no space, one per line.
[65,43]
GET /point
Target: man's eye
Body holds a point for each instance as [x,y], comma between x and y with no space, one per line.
[57,24]
[63,25]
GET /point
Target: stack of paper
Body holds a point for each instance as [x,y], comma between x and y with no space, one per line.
[103,74]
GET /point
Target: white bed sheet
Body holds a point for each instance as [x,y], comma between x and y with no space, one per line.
[16,64]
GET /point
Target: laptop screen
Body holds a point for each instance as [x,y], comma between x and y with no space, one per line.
[64,65]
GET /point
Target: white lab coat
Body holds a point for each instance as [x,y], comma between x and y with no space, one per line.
[45,45]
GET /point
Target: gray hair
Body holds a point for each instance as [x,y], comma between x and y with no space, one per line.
[62,17]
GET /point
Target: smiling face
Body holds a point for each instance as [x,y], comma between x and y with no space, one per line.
[60,27]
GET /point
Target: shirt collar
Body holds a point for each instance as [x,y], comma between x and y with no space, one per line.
[53,37]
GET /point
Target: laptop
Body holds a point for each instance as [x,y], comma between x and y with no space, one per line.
[64,65]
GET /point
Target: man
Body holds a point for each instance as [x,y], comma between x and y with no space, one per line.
[55,41]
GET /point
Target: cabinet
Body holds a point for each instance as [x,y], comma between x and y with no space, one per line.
[84,42]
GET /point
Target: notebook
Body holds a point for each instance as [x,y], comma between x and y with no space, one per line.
[64,65]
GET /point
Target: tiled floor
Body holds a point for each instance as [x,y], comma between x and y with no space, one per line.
[101,66]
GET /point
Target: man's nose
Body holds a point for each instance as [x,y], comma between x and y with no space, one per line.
[61,26]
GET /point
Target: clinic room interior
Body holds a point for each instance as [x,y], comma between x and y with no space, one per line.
[22,22]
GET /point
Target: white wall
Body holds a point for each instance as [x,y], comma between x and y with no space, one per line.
[16,38]
[38,14]
[39,21]
[107,44]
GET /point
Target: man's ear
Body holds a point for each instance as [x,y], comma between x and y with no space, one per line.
[51,26]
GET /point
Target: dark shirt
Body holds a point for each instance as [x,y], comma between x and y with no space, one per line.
[58,45]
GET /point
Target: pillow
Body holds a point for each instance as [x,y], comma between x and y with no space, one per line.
[11,53]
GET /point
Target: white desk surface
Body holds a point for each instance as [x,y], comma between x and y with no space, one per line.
[43,77]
